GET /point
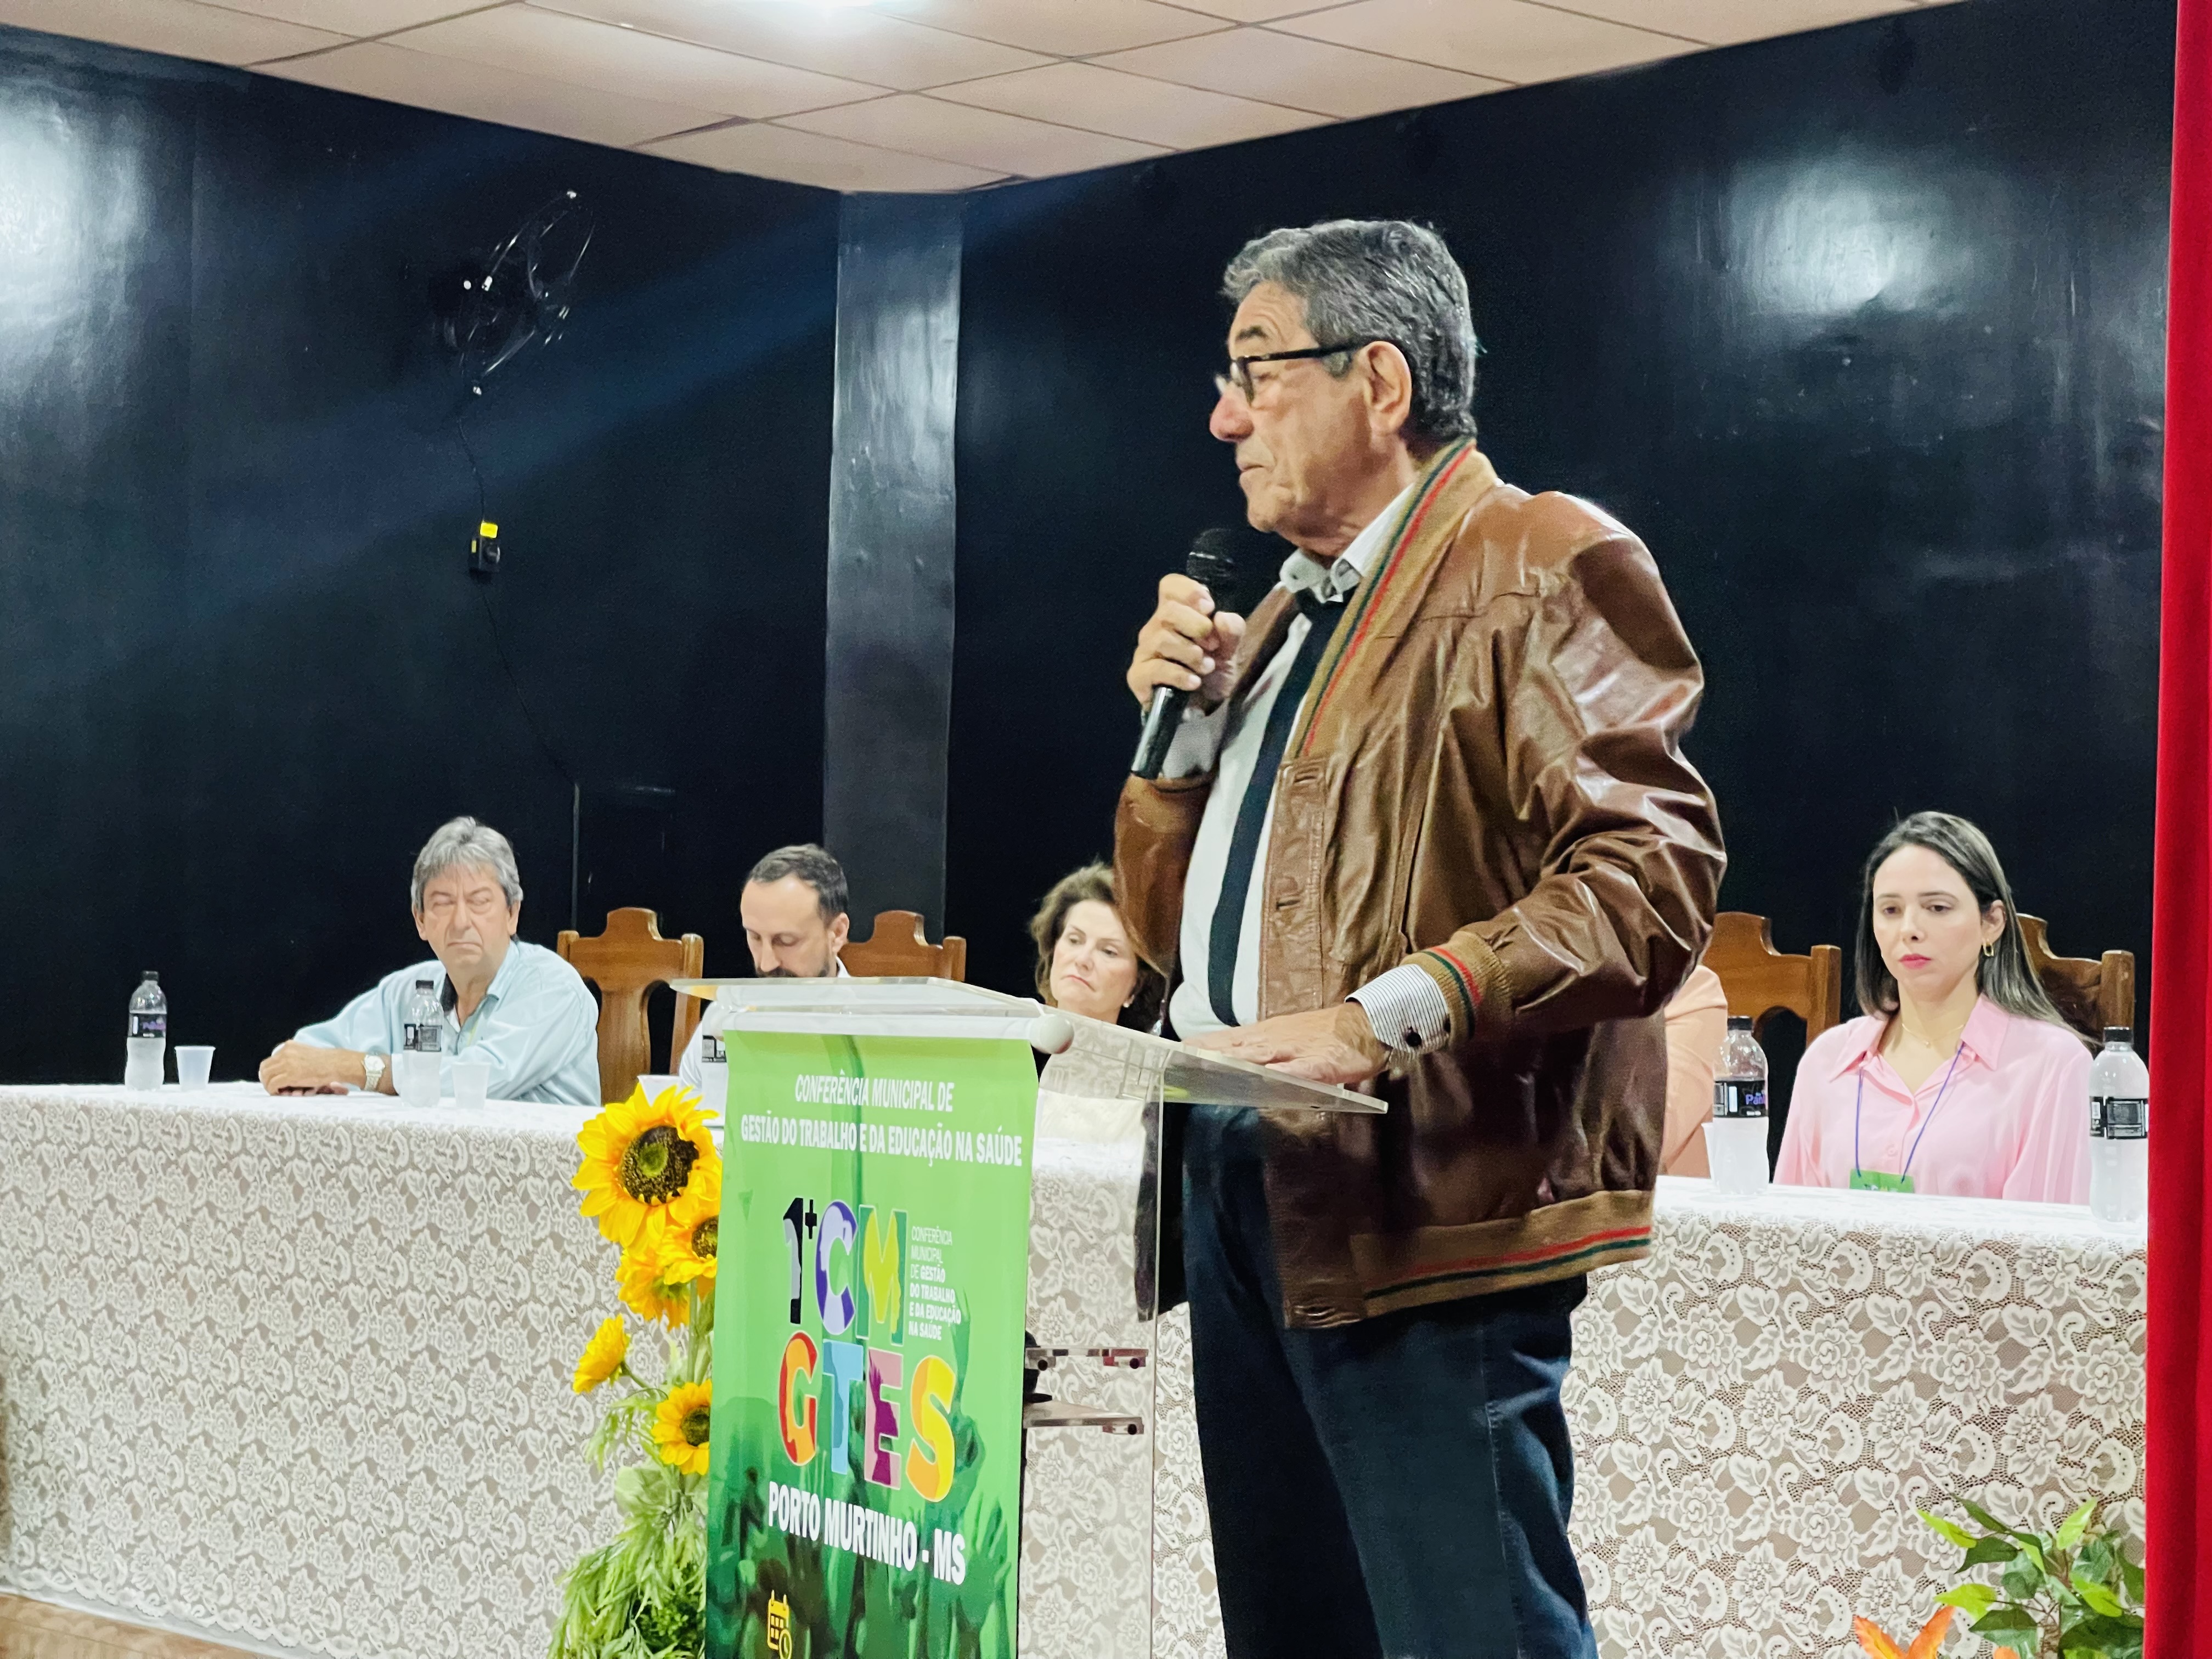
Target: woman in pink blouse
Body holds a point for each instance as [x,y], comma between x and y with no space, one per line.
[1961,1079]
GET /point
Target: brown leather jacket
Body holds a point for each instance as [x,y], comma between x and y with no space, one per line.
[1487,780]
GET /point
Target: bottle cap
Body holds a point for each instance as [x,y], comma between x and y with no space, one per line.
[150,975]
[425,984]
[2119,1034]
[1739,1022]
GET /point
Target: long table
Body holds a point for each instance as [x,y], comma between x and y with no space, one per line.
[1759,1408]
[293,1375]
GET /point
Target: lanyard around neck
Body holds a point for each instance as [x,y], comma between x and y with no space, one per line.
[1858,1104]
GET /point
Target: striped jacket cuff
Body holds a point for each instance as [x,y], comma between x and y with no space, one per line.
[1472,980]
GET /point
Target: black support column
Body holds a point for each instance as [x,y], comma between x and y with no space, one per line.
[887,713]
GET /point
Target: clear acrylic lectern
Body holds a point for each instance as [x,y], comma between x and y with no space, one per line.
[1087,1540]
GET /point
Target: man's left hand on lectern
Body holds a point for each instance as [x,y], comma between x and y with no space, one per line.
[1329,1045]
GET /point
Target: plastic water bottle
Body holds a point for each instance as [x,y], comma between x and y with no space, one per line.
[1735,1140]
[2119,1130]
[714,1071]
[414,1067]
[148,1046]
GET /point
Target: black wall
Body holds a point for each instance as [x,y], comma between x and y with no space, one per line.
[1862,331]
[243,671]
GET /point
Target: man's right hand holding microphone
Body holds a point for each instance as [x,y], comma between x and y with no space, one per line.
[1186,645]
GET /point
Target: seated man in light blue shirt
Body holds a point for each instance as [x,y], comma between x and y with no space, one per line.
[517,1005]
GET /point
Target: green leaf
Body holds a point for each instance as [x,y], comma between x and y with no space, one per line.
[2131,1575]
[1986,1550]
[2103,1638]
[2022,1579]
[1973,1599]
[2071,1530]
[2000,1621]
[2096,1561]
[1950,1529]
[1988,1523]
[2098,1599]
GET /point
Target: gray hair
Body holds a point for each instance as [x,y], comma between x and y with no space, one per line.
[1378,279]
[813,866]
[463,843]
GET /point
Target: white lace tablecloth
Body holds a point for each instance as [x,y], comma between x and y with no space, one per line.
[294,1375]
[1758,1407]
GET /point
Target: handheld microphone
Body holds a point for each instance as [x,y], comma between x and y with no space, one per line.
[1237,566]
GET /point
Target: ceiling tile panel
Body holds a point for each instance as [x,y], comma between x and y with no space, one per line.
[928,94]
[1503,40]
[848,41]
[1066,29]
[1302,74]
[808,158]
[1252,11]
[1130,105]
[355,17]
[376,70]
[179,27]
[630,63]
[1724,22]
[975,137]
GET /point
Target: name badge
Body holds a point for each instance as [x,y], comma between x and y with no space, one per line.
[1874,1181]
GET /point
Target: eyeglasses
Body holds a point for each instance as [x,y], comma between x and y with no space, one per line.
[1239,376]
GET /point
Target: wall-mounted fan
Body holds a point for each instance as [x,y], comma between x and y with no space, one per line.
[491,309]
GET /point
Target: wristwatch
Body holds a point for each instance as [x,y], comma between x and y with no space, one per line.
[372,1072]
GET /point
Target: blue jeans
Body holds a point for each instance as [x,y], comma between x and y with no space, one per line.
[1396,1489]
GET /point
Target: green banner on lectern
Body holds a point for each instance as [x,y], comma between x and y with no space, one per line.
[866,1493]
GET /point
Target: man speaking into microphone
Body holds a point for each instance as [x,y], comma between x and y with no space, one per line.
[1425,826]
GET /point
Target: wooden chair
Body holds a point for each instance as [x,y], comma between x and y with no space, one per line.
[898,949]
[1761,981]
[2090,994]
[628,961]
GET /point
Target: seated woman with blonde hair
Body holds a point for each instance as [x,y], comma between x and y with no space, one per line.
[1960,1078]
[1085,963]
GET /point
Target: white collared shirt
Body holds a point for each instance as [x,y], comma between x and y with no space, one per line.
[1400,1003]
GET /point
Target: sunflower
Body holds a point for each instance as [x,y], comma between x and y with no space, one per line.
[687,1247]
[640,1158]
[649,1287]
[604,1355]
[680,1427]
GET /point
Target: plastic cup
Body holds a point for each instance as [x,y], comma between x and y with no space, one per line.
[654,1082]
[471,1079]
[194,1060]
[1736,1148]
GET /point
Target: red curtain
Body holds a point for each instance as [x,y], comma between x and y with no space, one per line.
[2180,1458]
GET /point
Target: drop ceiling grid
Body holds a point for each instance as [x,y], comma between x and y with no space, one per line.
[928,94]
